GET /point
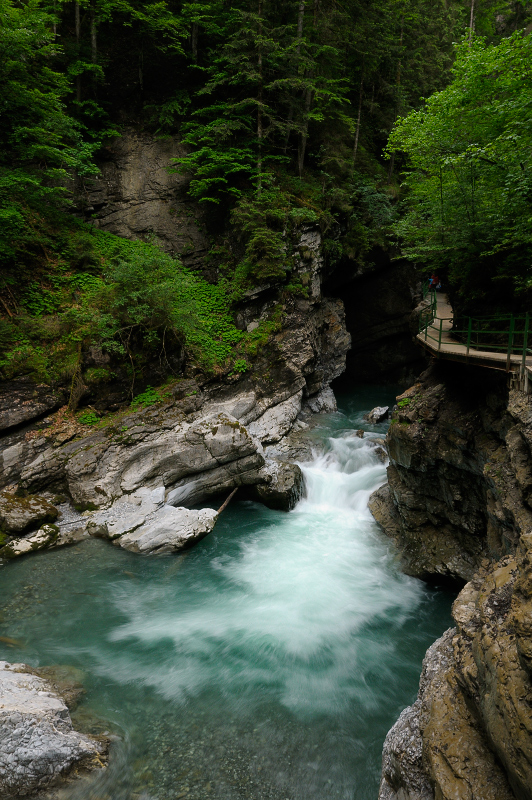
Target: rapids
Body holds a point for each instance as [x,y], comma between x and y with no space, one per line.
[265,664]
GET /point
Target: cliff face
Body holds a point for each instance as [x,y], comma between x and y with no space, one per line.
[458,505]
[460,474]
[135,196]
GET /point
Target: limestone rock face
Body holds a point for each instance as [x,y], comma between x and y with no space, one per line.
[136,196]
[22,401]
[144,523]
[102,468]
[276,421]
[460,472]
[458,503]
[21,514]
[469,734]
[38,741]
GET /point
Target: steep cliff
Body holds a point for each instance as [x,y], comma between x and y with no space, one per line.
[458,506]
[460,473]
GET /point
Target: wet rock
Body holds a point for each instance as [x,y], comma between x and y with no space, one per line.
[437,748]
[143,523]
[458,500]
[322,403]
[22,514]
[378,414]
[170,529]
[40,540]
[403,776]
[460,473]
[276,421]
[38,740]
[285,488]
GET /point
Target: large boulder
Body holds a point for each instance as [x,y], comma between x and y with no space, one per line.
[39,540]
[377,414]
[285,488]
[38,741]
[22,514]
[143,523]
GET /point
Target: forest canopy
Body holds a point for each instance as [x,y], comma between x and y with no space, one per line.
[285,109]
[469,177]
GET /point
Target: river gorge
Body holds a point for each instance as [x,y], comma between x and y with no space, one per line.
[267,662]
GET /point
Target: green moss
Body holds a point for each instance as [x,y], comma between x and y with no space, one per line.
[81,507]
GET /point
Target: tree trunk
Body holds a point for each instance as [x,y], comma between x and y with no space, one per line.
[299,36]
[471,21]
[77,21]
[94,34]
[259,108]
[398,85]
[357,132]
[194,40]
[308,104]
[304,134]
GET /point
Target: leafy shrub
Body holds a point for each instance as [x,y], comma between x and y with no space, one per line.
[88,418]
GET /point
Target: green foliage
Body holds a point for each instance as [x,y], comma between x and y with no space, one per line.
[88,418]
[240,365]
[39,141]
[469,181]
[148,398]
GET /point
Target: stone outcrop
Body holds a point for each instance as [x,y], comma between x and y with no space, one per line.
[469,733]
[39,744]
[458,504]
[22,401]
[39,540]
[22,514]
[144,523]
[137,197]
[148,471]
[460,472]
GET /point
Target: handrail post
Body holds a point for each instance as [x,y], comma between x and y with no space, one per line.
[469,335]
[510,343]
[439,339]
[525,343]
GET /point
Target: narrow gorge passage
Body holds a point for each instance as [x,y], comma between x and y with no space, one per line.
[266,663]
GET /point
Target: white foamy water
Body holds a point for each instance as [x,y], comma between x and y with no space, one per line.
[286,613]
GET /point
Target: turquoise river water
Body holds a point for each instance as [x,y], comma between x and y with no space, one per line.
[267,663]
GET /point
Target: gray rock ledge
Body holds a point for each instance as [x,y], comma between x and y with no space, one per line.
[38,743]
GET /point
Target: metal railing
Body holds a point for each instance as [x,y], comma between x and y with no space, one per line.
[429,311]
[502,333]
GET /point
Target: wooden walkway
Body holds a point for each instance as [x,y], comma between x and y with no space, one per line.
[439,341]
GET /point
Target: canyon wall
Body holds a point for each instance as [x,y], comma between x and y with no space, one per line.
[459,507]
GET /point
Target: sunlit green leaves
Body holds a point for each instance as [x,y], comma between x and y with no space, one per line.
[469,202]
